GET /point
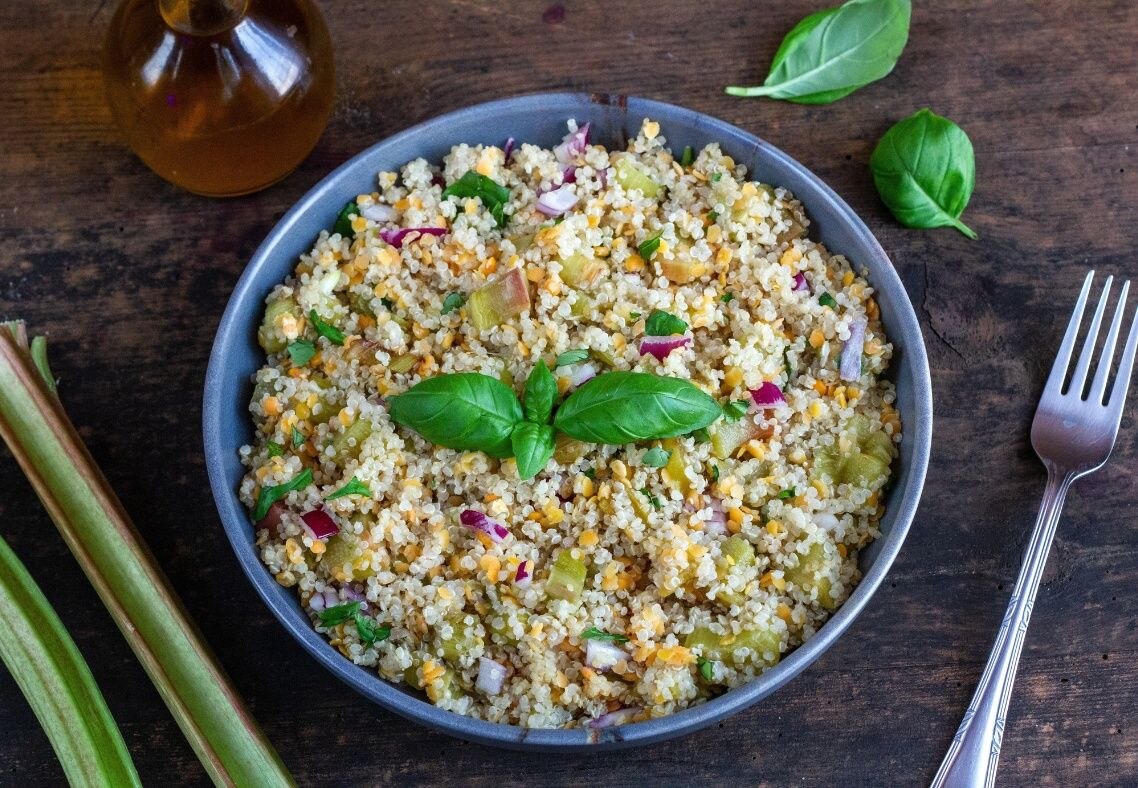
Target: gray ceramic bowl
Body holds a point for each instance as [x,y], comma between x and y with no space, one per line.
[540,119]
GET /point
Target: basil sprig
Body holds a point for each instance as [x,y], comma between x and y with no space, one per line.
[466,411]
[474,412]
[663,324]
[628,407]
[832,53]
[925,170]
[492,194]
[369,631]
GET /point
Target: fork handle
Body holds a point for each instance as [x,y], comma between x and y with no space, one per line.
[975,750]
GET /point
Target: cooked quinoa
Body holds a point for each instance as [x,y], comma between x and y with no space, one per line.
[698,572]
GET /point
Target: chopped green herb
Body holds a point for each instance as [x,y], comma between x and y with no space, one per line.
[558,220]
[492,194]
[270,495]
[786,364]
[275,449]
[592,633]
[301,352]
[701,435]
[388,304]
[714,472]
[354,487]
[656,457]
[648,248]
[652,499]
[715,176]
[452,302]
[634,316]
[343,224]
[663,324]
[727,298]
[736,410]
[590,472]
[571,357]
[338,614]
[687,157]
[787,493]
[706,669]
[329,332]
[298,438]
[369,631]
[827,300]
[712,216]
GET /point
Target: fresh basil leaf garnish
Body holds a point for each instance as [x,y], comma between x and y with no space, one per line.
[541,390]
[467,411]
[326,330]
[663,324]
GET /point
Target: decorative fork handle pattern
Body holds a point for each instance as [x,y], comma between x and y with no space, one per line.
[975,750]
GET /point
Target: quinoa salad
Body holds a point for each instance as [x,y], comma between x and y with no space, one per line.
[573,436]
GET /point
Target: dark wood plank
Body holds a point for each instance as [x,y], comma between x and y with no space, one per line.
[128,276]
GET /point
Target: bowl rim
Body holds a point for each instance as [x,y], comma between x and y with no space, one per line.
[282,602]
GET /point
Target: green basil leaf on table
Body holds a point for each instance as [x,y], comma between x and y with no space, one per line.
[270,495]
[925,170]
[467,411]
[663,324]
[832,53]
[533,447]
[629,407]
[493,195]
[326,330]
[343,224]
[541,390]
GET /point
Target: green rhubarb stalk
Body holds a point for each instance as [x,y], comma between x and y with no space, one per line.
[95,526]
[50,671]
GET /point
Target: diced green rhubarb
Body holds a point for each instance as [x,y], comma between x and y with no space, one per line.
[411,676]
[568,450]
[361,302]
[499,300]
[445,687]
[682,268]
[602,357]
[270,334]
[727,436]
[739,550]
[402,363]
[675,472]
[340,554]
[810,574]
[462,639]
[868,459]
[630,176]
[579,271]
[347,444]
[582,306]
[566,577]
[499,625]
[765,645]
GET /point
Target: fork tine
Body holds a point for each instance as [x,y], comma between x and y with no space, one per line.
[1063,357]
[1125,369]
[1087,354]
[1097,392]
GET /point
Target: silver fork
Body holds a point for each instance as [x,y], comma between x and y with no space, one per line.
[1073,433]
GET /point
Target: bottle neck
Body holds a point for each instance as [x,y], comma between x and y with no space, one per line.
[202,17]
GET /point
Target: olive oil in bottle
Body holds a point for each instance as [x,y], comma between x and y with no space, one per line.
[220,97]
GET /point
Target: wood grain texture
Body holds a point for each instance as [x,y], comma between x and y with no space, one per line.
[128,276]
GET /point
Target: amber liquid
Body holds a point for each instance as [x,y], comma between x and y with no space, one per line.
[218,96]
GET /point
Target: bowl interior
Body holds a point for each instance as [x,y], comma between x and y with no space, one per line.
[540,119]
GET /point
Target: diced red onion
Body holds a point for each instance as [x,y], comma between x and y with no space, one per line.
[717,523]
[852,350]
[767,395]
[491,675]
[477,521]
[323,600]
[800,282]
[396,237]
[353,594]
[379,213]
[602,655]
[523,577]
[556,202]
[618,717]
[660,347]
[508,148]
[569,174]
[437,180]
[320,523]
[579,374]
[572,145]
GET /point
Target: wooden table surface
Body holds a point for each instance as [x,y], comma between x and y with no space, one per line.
[128,275]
